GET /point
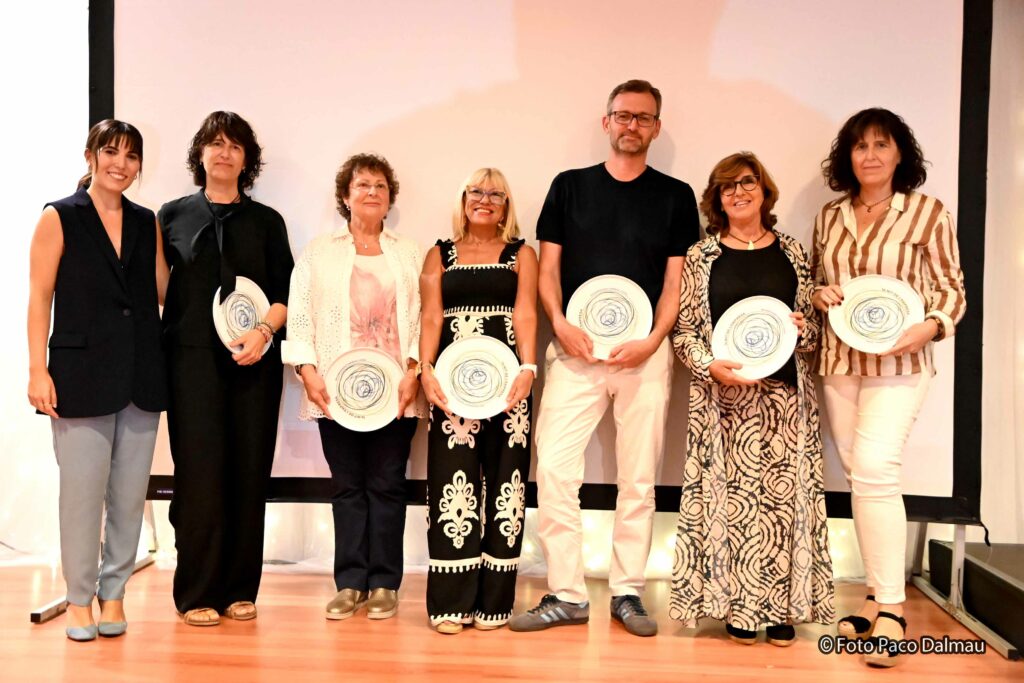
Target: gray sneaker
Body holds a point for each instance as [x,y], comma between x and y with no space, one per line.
[550,612]
[630,611]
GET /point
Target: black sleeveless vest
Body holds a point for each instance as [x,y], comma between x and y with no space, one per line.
[106,348]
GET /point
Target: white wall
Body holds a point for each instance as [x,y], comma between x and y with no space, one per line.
[45,119]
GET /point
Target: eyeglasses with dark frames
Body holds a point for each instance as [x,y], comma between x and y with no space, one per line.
[747,182]
[624,118]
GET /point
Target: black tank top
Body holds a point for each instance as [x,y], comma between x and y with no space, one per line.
[478,299]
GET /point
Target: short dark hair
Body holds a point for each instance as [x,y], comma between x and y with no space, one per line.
[113,133]
[910,173]
[236,129]
[374,163]
[728,169]
[639,86]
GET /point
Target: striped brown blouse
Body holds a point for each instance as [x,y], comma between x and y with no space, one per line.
[915,241]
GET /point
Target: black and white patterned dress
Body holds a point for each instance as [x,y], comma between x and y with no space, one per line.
[476,469]
[752,545]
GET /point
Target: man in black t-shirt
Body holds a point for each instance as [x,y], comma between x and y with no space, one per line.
[622,218]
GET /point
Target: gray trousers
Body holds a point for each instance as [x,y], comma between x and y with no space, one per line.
[104,461]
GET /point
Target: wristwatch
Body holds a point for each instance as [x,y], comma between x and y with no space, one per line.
[941,333]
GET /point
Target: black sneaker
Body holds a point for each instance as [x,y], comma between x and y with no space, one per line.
[630,611]
[781,635]
[550,612]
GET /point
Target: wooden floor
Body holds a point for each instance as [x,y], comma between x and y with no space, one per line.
[291,641]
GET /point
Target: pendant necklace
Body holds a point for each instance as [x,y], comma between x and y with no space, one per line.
[871,206]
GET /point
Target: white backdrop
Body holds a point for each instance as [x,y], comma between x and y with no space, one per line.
[442,88]
[522,88]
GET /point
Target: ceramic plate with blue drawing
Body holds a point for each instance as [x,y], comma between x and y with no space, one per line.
[876,310]
[756,332]
[240,312]
[363,387]
[612,310]
[476,374]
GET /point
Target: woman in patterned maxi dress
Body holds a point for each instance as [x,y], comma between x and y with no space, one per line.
[483,282]
[752,545]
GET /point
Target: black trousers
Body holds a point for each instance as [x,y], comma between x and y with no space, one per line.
[368,501]
[222,423]
[476,483]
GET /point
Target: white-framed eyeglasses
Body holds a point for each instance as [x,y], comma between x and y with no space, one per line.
[364,187]
[492,196]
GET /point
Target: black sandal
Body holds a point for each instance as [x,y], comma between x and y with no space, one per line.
[881,656]
[854,626]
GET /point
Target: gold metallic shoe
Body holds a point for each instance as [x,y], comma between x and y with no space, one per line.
[383,603]
[449,628]
[345,603]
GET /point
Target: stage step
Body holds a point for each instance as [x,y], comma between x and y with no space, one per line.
[993,584]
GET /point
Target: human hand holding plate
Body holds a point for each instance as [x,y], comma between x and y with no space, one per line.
[575,341]
[724,372]
[914,338]
[316,389]
[251,347]
[432,389]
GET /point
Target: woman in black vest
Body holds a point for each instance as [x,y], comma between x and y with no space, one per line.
[222,418]
[97,259]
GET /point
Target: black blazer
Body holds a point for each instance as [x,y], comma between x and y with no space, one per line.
[106,348]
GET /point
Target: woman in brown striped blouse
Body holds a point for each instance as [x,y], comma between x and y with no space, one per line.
[881,225]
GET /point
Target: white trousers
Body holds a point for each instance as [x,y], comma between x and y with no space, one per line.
[871,418]
[576,396]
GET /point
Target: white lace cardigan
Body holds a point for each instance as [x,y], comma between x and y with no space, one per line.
[319,315]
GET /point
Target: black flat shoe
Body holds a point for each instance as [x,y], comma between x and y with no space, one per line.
[781,635]
[854,626]
[741,636]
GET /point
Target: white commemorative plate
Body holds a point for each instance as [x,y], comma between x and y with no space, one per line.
[612,310]
[476,374]
[756,332]
[876,310]
[241,311]
[363,388]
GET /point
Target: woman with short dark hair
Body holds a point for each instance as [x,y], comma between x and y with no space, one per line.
[97,260]
[752,546]
[881,226]
[222,420]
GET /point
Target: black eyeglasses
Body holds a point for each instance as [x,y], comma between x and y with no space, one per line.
[747,182]
[624,118]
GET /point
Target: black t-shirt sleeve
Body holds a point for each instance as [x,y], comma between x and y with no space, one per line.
[551,223]
[685,229]
[279,259]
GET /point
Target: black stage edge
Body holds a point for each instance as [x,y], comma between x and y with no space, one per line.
[101,60]
[964,505]
[318,490]
[993,590]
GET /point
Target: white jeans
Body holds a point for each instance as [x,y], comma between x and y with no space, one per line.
[576,396]
[871,418]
